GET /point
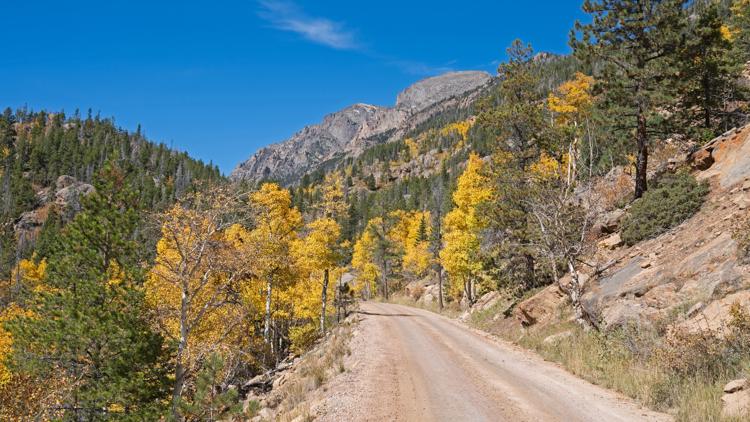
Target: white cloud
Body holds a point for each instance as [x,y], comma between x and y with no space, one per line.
[287,16]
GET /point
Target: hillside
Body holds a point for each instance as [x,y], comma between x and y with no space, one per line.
[348,132]
[49,160]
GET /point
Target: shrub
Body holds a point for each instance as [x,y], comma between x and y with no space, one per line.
[674,199]
[303,337]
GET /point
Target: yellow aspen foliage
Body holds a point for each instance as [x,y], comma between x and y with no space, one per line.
[547,168]
[727,33]
[192,286]
[411,234]
[181,271]
[460,253]
[413,146]
[572,103]
[572,97]
[363,260]
[334,203]
[270,245]
[318,256]
[6,339]
[461,128]
[317,250]
[29,273]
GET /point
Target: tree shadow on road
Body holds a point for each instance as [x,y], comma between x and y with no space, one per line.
[379,314]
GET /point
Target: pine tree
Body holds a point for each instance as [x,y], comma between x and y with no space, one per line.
[422,231]
[208,403]
[517,114]
[738,29]
[634,45]
[709,70]
[91,314]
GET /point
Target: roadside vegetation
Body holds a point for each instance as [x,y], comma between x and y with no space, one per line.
[667,370]
[673,199]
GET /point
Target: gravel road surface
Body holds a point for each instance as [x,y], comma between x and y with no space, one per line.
[408,364]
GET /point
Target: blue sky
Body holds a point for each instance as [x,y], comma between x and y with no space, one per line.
[222,78]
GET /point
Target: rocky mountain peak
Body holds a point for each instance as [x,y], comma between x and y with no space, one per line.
[351,130]
[435,89]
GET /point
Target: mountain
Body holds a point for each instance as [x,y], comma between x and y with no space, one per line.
[348,132]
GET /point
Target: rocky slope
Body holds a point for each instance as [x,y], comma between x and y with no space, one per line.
[348,132]
[691,270]
[64,198]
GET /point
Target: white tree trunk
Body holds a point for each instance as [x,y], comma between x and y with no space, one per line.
[267,327]
[324,300]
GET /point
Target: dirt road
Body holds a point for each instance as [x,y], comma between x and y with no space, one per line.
[413,365]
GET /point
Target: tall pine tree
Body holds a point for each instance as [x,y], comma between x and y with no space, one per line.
[88,324]
[633,46]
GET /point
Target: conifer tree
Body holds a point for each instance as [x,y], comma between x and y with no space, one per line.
[708,70]
[88,324]
[517,115]
[634,45]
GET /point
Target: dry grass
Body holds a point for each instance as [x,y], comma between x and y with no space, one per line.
[678,374]
[312,372]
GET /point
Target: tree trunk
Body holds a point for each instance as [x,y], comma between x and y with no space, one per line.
[575,293]
[530,271]
[440,287]
[706,82]
[324,300]
[641,166]
[179,375]
[385,280]
[267,327]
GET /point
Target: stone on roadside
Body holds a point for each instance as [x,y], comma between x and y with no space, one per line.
[736,401]
[612,242]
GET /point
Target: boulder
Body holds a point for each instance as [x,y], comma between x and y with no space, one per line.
[702,159]
[415,289]
[716,316]
[540,308]
[65,181]
[609,222]
[612,242]
[486,301]
[30,223]
[736,405]
[68,196]
[430,295]
[735,385]
[627,312]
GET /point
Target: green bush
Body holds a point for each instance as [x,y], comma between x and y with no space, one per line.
[674,199]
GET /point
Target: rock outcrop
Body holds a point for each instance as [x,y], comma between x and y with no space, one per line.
[64,198]
[692,270]
[736,399]
[348,132]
